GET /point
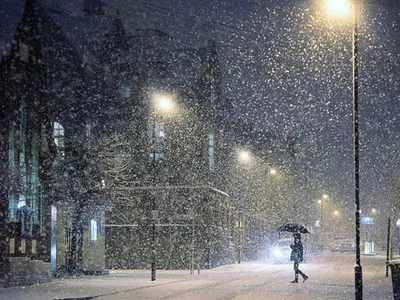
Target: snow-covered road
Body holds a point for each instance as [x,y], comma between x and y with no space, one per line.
[331,277]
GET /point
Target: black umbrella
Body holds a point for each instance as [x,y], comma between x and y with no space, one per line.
[293,228]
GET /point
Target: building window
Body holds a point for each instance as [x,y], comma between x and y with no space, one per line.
[23,147]
[157,141]
[17,160]
[13,171]
[58,131]
[211,150]
[125,92]
[93,230]
[23,165]
[33,195]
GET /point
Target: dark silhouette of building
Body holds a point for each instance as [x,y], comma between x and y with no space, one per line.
[69,82]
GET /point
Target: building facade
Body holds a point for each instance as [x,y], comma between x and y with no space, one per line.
[79,131]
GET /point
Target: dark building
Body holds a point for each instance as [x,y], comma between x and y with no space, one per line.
[90,160]
[69,82]
[26,151]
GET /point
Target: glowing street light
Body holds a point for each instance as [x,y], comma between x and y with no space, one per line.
[344,8]
[325,196]
[244,156]
[338,8]
[273,171]
[164,103]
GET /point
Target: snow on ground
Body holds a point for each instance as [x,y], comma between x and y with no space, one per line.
[331,277]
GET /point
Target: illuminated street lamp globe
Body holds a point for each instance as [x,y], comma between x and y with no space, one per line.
[164,102]
[338,7]
[244,156]
[273,171]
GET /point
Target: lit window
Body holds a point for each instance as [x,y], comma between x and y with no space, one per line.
[93,230]
[125,92]
[21,201]
[58,131]
[157,146]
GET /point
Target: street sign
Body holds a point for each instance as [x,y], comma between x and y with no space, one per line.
[367,221]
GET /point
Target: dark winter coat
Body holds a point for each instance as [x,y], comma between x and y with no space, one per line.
[297,252]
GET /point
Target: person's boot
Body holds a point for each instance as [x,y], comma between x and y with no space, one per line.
[305,277]
[296,279]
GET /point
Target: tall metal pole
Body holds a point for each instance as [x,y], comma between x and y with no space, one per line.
[321,224]
[240,238]
[320,214]
[153,200]
[388,248]
[357,268]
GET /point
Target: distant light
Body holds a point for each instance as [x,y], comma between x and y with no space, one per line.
[164,102]
[367,221]
[277,253]
[373,211]
[325,196]
[398,223]
[319,201]
[273,172]
[338,7]
[336,212]
[244,155]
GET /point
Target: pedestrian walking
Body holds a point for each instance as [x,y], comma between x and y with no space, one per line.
[297,256]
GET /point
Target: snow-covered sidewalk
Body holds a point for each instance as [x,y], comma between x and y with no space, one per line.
[331,277]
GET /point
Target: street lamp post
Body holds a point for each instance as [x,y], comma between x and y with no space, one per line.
[239,226]
[342,7]
[320,212]
[357,267]
[162,102]
[153,200]
[245,158]
[320,237]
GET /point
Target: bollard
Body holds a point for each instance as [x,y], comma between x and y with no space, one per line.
[395,270]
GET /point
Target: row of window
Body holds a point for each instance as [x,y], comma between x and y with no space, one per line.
[157,135]
[24,168]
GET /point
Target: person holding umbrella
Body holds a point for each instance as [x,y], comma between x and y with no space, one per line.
[297,256]
[297,248]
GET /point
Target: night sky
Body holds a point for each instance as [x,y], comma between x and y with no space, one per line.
[287,69]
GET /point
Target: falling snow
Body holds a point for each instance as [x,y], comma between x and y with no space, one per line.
[175,137]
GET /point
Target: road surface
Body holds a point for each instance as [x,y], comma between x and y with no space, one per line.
[331,276]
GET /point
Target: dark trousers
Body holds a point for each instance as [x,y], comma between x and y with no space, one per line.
[297,271]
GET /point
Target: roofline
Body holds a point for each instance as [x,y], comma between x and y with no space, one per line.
[174,187]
